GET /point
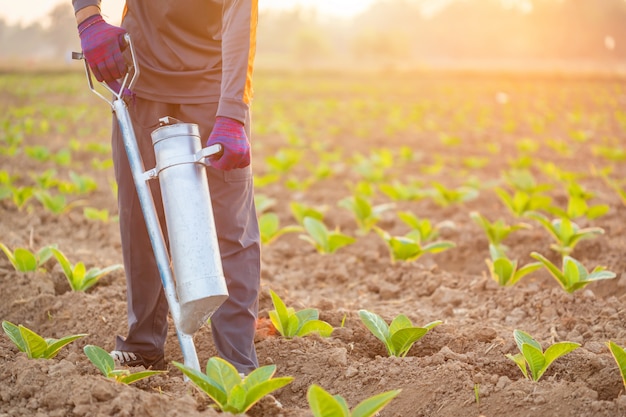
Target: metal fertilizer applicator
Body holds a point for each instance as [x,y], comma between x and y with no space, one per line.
[200,286]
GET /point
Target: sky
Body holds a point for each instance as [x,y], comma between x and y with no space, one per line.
[27,11]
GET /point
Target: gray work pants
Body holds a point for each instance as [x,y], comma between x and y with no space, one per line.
[233,324]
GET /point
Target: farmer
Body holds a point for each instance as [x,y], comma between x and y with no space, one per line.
[196,59]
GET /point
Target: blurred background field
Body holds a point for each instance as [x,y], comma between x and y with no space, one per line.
[563,35]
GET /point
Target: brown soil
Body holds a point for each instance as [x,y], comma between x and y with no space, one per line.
[353,115]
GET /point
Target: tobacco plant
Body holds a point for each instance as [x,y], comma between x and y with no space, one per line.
[447,196]
[290,323]
[226,387]
[56,204]
[399,336]
[300,211]
[425,229]
[521,202]
[269,226]
[79,278]
[106,364]
[566,233]
[325,241]
[504,270]
[23,260]
[365,214]
[573,275]
[35,346]
[496,231]
[619,354]
[324,404]
[532,360]
[409,248]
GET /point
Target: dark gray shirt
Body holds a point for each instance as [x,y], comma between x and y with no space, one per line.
[193,51]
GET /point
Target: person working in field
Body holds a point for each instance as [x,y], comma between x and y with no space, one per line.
[196,59]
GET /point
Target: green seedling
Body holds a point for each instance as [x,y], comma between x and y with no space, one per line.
[102,164]
[447,196]
[498,230]
[523,180]
[21,196]
[290,323]
[566,233]
[230,392]
[105,363]
[403,192]
[399,336]
[269,226]
[284,160]
[532,360]
[35,346]
[619,354]
[39,153]
[504,270]
[578,206]
[101,215]
[46,179]
[79,278]
[325,241]
[365,214]
[263,203]
[573,275]
[373,168]
[80,184]
[324,404]
[300,211]
[425,229]
[409,248]
[56,204]
[23,260]
[521,202]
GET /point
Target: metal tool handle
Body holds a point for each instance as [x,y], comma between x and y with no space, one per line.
[127,82]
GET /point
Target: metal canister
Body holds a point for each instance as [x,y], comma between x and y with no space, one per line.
[194,251]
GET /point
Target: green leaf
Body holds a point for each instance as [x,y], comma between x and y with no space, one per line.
[372,405]
[261,374]
[520,362]
[316,326]
[55,346]
[503,270]
[25,260]
[100,358]
[14,334]
[210,387]
[236,400]
[525,270]
[376,325]
[556,272]
[137,376]
[68,269]
[337,241]
[556,351]
[523,337]
[619,354]
[281,318]
[399,322]
[260,390]
[535,359]
[323,404]
[318,232]
[222,373]
[437,247]
[402,340]
[35,344]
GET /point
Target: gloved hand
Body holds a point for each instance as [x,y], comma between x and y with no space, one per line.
[102,46]
[235,145]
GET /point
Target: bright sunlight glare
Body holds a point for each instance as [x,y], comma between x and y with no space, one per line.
[29,11]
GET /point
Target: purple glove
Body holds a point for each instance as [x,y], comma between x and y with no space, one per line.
[235,145]
[102,46]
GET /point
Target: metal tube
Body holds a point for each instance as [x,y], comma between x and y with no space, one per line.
[154,229]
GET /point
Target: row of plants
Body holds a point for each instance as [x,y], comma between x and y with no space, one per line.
[235,393]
